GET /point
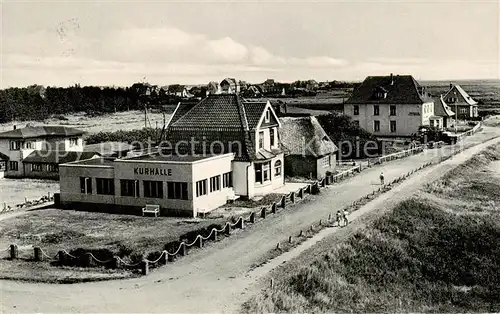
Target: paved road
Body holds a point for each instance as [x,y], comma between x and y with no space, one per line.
[213,279]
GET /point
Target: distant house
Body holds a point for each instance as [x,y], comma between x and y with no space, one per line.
[44,164]
[110,149]
[458,98]
[19,146]
[309,151]
[229,86]
[390,106]
[442,110]
[212,88]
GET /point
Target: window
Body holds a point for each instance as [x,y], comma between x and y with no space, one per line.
[15,145]
[227,180]
[376,126]
[105,186]
[267,116]
[376,110]
[271,136]
[262,172]
[393,110]
[201,187]
[86,185]
[261,139]
[153,189]
[129,188]
[3,165]
[393,126]
[214,183]
[463,110]
[13,165]
[28,145]
[277,168]
[356,110]
[177,190]
[73,141]
[326,161]
[53,168]
[36,167]
[356,122]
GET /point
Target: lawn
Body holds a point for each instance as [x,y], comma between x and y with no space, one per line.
[125,235]
[14,191]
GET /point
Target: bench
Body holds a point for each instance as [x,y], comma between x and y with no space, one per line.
[151,209]
[231,198]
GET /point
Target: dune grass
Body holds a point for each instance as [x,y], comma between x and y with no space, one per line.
[435,252]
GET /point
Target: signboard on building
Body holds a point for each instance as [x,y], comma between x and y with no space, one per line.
[153,171]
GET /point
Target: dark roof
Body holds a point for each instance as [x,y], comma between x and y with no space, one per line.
[441,108]
[42,132]
[223,118]
[182,108]
[57,157]
[304,136]
[168,157]
[462,97]
[102,161]
[3,157]
[403,90]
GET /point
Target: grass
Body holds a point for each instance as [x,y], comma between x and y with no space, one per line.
[435,252]
[15,190]
[130,237]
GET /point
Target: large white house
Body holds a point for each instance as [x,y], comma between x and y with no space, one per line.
[390,106]
[35,151]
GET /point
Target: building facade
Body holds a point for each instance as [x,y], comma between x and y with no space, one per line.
[390,106]
[180,185]
[309,151]
[19,145]
[463,104]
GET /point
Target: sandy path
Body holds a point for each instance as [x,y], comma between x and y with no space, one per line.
[216,279]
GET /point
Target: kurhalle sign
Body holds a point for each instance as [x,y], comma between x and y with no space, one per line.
[153,171]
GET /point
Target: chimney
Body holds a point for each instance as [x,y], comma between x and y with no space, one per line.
[392,79]
[451,85]
[15,127]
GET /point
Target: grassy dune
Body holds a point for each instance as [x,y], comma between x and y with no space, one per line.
[436,252]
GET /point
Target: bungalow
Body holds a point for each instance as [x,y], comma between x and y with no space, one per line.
[18,144]
[309,151]
[464,105]
[442,110]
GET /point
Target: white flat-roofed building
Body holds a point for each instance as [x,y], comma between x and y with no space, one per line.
[184,185]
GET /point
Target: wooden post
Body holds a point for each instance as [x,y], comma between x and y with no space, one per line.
[163,258]
[252,218]
[283,201]
[183,249]
[228,228]
[301,233]
[278,247]
[329,217]
[14,251]
[117,263]
[301,193]
[61,257]
[312,228]
[292,197]
[38,254]
[320,222]
[323,182]
[263,211]
[145,267]
[214,235]
[290,239]
[200,240]
[240,223]
[273,208]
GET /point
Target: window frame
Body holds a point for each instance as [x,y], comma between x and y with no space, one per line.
[278,165]
[261,139]
[376,125]
[376,110]
[391,124]
[201,187]
[392,110]
[177,190]
[271,137]
[85,185]
[215,183]
[15,145]
[13,162]
[152,189]
[36,167]
[356,110]
[227,180]
[129,184]
[105,186]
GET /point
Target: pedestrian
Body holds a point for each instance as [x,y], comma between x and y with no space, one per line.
[339,217]
[345,214]
[381,178]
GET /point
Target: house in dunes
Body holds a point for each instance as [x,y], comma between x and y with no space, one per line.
[444,112]
[309,152]
[390,106]
[464,105]
[227,123]
[229,86]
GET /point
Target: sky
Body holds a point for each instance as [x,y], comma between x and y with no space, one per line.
[62,43]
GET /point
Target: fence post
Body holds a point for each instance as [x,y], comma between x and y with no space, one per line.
[263,211]
[301,193]
[228,228]
[38,254]
[290,239]
[200,240]
[145,267]
[61,256]
[14,251]
[240,223]
[214,234]
[323,182]
[292,197]
[283,201]
[252,218]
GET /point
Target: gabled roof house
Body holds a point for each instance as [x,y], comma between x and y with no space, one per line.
[457,97]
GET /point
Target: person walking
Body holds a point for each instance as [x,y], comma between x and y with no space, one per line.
[381,178]
[339,217]
[345,215]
